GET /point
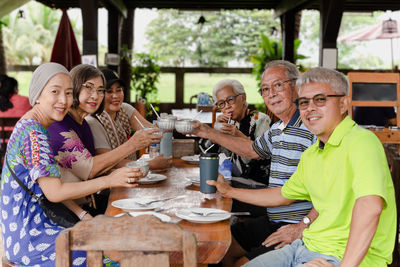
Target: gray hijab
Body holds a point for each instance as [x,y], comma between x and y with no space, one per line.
[41,76]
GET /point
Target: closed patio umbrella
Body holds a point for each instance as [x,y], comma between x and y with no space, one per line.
[388,29]
[65,49]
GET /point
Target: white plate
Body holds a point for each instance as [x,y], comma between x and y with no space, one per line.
[152,178]
[187,214]
[195,159]
[195,180]
[129,204]
[162,217]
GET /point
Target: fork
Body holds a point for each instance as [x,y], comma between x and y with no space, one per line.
[206,213]
[157,200]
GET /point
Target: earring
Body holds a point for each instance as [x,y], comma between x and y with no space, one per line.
[37,102]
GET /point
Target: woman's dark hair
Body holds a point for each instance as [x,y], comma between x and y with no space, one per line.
[80,74]
[7,89]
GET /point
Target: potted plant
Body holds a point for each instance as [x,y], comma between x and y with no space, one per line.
[145,75]
[270,49]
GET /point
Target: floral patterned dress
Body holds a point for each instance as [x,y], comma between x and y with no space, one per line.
[28,234]
[73,147]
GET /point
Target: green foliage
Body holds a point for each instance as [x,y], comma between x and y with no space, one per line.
[145,75]
[177,38]
[29,40]
[269,50]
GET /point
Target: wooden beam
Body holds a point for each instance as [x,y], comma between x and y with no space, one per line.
[287,5]
[331,12]
[120,6]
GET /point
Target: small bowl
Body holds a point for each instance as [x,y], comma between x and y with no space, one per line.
[143,165]
[184,126]
[166,123]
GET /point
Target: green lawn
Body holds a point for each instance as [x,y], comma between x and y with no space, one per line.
[194,83]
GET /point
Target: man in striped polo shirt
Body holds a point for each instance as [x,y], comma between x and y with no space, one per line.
[284,142]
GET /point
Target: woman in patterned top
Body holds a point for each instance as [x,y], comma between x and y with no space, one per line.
[118,120]
[72,139]
[28,234]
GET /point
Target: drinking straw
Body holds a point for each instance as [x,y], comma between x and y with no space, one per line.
[139,122]
[197,114]
[208,148]
[158,116]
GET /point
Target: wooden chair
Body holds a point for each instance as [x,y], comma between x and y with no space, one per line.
[6,128]
[142,241]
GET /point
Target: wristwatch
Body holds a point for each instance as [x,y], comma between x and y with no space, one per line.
[306,221]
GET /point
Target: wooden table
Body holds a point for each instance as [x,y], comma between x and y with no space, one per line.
[213,240]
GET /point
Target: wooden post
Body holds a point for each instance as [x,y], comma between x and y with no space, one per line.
[331,12]
[89,21]
[127,42]
[179,87]
[288,29]
[113,33]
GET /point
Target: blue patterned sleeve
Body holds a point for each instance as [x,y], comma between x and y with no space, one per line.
[39,157]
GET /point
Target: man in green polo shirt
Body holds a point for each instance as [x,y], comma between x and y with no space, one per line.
[346,176]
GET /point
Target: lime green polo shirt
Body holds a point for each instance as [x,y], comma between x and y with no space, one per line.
[352,164]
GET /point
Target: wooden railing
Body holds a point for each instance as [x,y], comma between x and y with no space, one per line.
[179,80]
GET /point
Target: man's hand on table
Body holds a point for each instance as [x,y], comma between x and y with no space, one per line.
[222,186]
[285,235]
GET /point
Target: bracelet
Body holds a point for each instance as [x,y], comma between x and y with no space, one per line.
[82,214]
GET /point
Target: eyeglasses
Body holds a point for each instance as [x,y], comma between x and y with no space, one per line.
[319,100]
[118,90]
[90,89]
[277,86]
[230,100]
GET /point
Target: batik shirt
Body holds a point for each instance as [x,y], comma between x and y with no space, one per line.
[28,234]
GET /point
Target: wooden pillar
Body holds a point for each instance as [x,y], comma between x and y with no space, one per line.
[331,12]
[127,47]
[288,32]
[89,21]
[113,33]
[179,87]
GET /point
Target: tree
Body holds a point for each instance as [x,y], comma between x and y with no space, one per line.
[178,38]
[29,39]
[350,55]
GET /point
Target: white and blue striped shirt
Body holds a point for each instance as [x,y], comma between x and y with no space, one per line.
[285,144]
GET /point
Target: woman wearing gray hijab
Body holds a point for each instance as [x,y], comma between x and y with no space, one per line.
[28,234]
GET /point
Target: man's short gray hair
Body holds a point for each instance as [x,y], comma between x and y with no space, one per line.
[236,86]
[338,81]
[291,70]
